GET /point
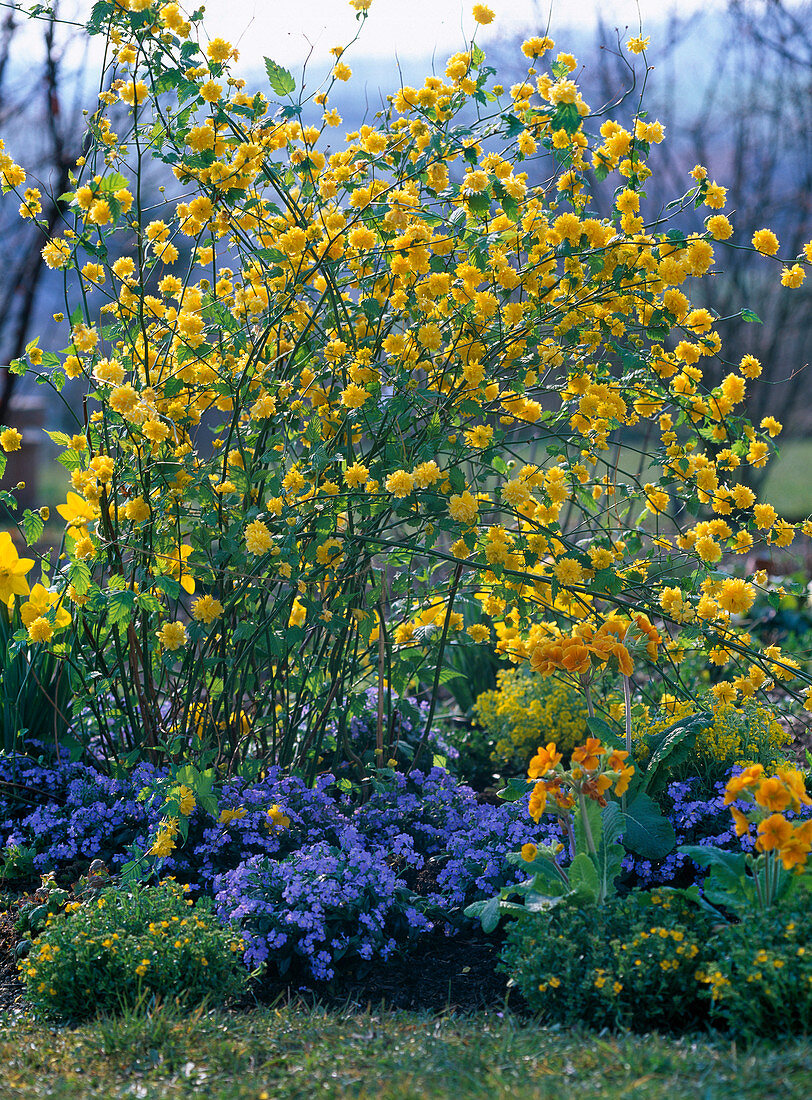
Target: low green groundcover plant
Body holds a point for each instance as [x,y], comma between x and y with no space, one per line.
[630,963]
[761,983]
[653,961]
[125,948]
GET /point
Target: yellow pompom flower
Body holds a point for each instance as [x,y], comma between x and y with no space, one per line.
[40,630]
[464,507]
[10,439]
[172,636]
[400,484]
[792,277]
[765,242]
[206,609]
[257,537]
[483,15]
[219,50]
[356,475]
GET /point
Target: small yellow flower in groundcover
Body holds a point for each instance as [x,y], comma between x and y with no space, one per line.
[172,636]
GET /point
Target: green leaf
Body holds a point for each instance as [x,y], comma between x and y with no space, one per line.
[168,585]
[646,830]
[731,863]
[584,881]
[750,317]
[79,576]
[669,745]
[33,525]
[60,438]
[599,728]
[490,914]
[478,201]
[120,606]
[547,876]
[71,460]
[113,183]
[99,15]
[727,884]
[280,79]
[609,859]
[514,790]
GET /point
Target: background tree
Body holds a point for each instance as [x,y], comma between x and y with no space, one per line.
[40,115]
[746,115]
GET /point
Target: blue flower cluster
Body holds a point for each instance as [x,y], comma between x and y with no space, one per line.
[703,821]
[319,874]
[319,907]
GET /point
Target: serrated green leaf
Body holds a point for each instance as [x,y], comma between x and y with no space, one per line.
[79,576]
[750,317]
[33,526]
[59,437]
[120,607]
[71,460]
[98,16]
[280,79]
[115,182]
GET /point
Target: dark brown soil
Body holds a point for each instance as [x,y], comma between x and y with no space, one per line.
[441,974]
[11,990]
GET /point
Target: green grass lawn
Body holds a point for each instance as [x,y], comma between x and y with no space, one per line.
[788,486]
[290,1053]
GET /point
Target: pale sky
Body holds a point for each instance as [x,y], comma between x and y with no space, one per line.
[285,30]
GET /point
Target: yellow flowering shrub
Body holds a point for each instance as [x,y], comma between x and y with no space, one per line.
[311,386]
[526,710]
[745,734]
